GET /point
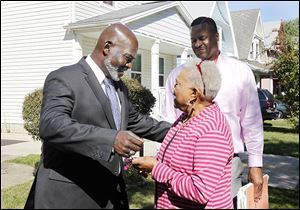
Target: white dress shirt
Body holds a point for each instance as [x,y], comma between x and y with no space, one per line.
[238,100]
[99,75]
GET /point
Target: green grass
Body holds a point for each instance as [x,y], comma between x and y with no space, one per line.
[283,199]
[280,138]
[27,160]
[142,197]
[15,197]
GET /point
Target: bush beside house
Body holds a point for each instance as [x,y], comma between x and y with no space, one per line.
[31,112]
[140,96]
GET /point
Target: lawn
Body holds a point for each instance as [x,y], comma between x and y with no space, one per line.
[280,139]
[31,160]
[141,196]
[15,197]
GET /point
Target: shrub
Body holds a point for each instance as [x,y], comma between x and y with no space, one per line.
[31,112]
[140,96]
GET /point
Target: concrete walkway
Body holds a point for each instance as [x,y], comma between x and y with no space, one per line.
[12,146]
[283,171]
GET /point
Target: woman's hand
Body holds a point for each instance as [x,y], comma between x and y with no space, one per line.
[144,164]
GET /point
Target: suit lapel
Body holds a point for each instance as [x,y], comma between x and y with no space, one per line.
[98,91]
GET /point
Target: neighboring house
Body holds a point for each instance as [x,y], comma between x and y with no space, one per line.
[273,34]
[39,37]
[249,35]
[274,43]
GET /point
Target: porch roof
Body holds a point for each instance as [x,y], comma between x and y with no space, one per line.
[130,14]
[91,27]
[259,67]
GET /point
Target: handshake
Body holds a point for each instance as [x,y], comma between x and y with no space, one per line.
[127,143]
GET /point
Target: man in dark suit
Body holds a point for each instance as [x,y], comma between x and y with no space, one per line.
[87,124]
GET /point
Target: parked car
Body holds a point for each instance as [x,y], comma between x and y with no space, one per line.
[283,110]
[267,105]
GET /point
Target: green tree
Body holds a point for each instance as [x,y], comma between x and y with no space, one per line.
[291,32]
[286,68]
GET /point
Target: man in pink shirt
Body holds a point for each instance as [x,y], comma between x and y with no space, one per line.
[237,98]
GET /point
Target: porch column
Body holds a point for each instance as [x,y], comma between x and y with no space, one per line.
[271,83]
[154,75]
[184,55]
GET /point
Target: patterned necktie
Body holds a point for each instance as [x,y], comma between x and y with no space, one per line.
[114,104]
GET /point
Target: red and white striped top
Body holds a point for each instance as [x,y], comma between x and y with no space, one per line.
[196,169]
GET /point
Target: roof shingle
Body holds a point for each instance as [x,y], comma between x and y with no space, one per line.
[244,23]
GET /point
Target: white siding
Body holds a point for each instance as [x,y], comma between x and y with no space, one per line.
[198,8]
[124,4]
[88,45]
[87,9]
[32,45]
[165,22]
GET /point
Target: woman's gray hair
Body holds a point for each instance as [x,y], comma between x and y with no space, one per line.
[209,80]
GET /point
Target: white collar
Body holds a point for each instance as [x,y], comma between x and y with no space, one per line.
[97,71]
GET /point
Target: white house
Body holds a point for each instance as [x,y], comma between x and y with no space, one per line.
[41,36]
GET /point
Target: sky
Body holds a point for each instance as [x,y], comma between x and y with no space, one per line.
[270,10]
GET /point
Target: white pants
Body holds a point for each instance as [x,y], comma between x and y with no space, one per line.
[236,175]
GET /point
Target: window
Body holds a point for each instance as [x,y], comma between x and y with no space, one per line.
[136,70]
[161,72]
[252,51]
[257,51]
[108,2]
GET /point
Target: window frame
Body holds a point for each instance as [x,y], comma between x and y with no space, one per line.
[161,74]
[141,69]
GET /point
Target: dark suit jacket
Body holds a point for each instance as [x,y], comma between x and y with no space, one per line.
[77,168]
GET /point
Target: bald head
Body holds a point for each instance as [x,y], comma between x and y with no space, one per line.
[115,50]
[116,33]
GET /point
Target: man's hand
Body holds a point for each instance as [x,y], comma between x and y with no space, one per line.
[144,164]
[255,176]
[127,143]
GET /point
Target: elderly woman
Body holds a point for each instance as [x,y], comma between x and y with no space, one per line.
[193,166]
